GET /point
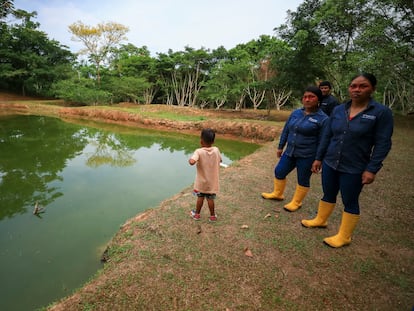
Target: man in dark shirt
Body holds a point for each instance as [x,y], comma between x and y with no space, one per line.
[328,102]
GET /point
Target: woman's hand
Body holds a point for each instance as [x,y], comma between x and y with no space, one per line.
[367,178]
[279,152]
[316,166]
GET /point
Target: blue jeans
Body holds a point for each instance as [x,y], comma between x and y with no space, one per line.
[303,167]
[350,186]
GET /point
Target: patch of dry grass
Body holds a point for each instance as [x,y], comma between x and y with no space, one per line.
[163,260]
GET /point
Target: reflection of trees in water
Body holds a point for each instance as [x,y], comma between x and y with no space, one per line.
[171,141]
[33,152]
[109,150]
[118,150]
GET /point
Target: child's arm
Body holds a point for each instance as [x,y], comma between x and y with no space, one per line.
[194,158]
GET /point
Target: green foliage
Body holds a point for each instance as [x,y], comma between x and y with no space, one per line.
[6,7]
[335,40]
[322,40]
[81,91]
[242,75]
[30,61]
[183,73]
[302,64]
[133,75]
[128,89]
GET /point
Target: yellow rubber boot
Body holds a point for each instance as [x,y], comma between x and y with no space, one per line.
[278,190]
[296,203]
[321,220]
[343,237]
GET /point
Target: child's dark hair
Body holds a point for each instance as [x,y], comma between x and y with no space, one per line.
[208,136]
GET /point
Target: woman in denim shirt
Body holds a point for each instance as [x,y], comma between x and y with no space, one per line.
[301,133]
[357,140]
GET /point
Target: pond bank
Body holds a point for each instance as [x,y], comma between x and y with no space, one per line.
[239,125]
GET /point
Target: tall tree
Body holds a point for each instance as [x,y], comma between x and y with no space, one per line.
[389,40]
[6,8]
[139,69]
[98,41]
[30,62]
[337,39]
[303,64]
[183,74]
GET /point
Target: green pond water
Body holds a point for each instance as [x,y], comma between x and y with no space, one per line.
[90,179]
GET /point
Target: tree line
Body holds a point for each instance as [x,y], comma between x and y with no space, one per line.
[322,40]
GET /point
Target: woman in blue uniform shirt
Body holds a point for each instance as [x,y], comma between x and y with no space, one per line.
[351,152]
[301,134]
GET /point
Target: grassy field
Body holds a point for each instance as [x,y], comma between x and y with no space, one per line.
[258,256]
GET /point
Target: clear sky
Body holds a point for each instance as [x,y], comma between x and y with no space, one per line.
[165,24]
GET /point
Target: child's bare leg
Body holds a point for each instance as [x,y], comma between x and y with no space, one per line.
[199,204]
[211,207]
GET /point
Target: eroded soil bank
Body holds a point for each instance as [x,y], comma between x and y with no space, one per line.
[250,126]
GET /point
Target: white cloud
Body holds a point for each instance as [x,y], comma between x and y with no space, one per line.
[165,24]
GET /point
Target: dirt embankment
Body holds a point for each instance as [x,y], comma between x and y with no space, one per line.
[227,123]
[231,128]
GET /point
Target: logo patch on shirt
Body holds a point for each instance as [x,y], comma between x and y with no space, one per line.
[368,116]
[313,120]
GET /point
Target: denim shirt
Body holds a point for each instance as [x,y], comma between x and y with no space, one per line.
[328,103]
[302,133]
[357,145]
